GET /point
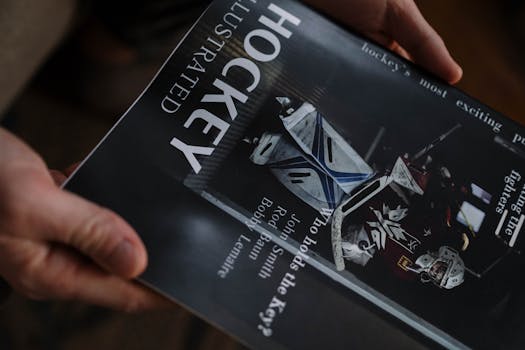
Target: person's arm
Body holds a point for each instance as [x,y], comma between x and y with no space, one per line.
[398,25]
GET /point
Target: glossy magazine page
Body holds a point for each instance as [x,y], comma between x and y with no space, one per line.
[301,187]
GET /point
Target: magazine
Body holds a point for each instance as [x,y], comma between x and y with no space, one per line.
[301,187]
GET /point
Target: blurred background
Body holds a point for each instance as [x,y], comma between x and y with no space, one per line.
[84,62]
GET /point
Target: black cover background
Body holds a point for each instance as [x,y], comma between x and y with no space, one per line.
[136,173]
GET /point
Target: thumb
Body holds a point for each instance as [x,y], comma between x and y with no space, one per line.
[96,232]
[406,25]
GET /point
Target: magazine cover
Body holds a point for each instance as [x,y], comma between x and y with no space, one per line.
[301,187]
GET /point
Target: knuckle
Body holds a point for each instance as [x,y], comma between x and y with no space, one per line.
[18,266]
[10,215]
[44,287]
[28,273]
[17,210]
[33,280]
[27,285]
[397,8]
[130,307]
[55,287]
[31,284]
[133,305]
[95,235]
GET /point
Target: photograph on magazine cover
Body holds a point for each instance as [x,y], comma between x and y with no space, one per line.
[279,163]
[414,209]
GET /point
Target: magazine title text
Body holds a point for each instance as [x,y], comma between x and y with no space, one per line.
[261,45]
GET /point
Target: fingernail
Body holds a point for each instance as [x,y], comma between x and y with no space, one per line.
[123,260]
